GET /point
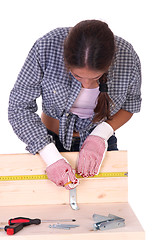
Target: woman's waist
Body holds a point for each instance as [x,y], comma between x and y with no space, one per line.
[52,124]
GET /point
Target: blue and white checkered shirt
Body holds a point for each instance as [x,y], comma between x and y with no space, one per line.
[44,74]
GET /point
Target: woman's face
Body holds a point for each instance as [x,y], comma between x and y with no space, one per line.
[87,77]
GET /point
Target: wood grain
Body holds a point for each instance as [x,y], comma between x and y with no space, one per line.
[43,199]
[36,192]
[131,231]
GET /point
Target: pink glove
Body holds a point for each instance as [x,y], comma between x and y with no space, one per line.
[61,173]
[91,155]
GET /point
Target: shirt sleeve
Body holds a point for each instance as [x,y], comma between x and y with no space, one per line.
[133,99]
[22,104]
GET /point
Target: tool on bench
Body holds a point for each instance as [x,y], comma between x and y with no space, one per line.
[12,229]
[29,221]
[107,222]
[16,224]
[24,221]
[63,226]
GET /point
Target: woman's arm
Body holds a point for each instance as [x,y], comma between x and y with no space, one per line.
[119,119]
[22,109]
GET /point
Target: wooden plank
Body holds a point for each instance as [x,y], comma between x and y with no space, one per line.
[28,164]
[131,231]
[33,192]
[43,199]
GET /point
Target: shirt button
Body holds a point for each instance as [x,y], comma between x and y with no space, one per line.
[54,91]
[67,114]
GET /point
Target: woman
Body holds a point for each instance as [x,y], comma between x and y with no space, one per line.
[90,83]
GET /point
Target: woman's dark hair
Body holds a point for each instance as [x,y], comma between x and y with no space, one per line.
[91,44]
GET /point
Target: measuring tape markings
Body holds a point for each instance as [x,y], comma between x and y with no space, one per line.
[44,176]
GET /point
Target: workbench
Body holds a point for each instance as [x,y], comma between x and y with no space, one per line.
[43,199]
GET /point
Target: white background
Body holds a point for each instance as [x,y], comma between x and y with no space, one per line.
[23,22]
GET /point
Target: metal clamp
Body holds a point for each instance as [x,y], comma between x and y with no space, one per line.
[73,199]
[107,222]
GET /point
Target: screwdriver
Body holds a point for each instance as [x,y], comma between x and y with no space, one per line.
[13,228]
[29,221]
[25,221]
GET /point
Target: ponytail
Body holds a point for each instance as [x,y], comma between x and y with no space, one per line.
[102,109]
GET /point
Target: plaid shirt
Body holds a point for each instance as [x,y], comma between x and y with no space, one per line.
[44,74]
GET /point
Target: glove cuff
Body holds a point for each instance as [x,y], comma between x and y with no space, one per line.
[103,130]
[50,154]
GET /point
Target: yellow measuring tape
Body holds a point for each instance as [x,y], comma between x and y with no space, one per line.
[44,176]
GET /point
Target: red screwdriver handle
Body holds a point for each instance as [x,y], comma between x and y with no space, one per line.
[25,221]
[13,228]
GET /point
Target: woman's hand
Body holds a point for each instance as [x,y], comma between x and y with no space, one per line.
[91,156]
[93,150]
[61,174]
[58,169]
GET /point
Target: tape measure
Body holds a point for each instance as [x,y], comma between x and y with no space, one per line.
[44,176]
